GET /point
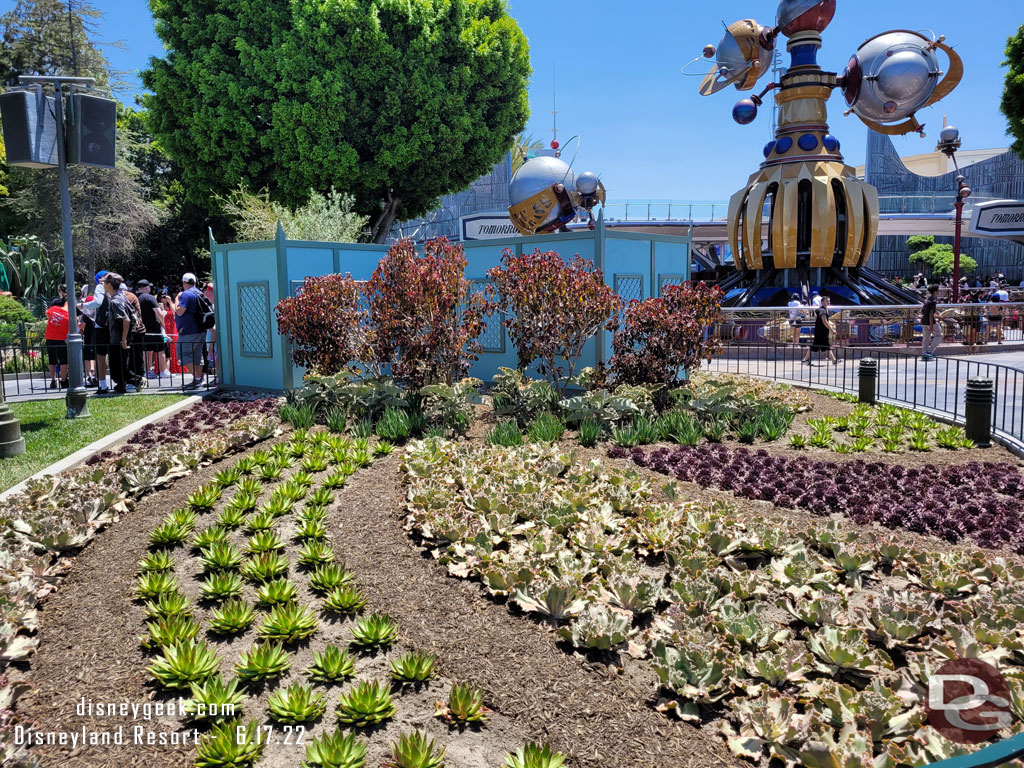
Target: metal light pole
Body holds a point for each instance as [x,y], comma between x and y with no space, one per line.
[949,143]
[77,405]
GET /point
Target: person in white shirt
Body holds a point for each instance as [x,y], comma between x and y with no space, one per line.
[815,300]
[795,305]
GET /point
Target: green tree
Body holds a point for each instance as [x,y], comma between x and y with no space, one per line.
[326,218]
[937,257]
[392,102]
[1012,104]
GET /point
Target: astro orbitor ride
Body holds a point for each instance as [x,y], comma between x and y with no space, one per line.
[823,220]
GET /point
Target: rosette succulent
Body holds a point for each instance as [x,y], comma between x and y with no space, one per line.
[183,663]
[212,535]
[297,703]
[416,750]
[534,755]
[464,705]
[264,661]
[365,704]
[151,585]
[232,617]
[222,747]
[221,585]
[344,600]
[288,622]
[413,667]
[161,560]
[215,699]
[168,534]
[336,750]
[204,498]
[374,631]
[331,665]
[276,592]
[260,521]
[168,630]
[265,566]
[329,576]
[169,604]
[264,541]
[221,556]
[315,553]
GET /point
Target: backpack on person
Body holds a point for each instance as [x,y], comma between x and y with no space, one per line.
[205,316]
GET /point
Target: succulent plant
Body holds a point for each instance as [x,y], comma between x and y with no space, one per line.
[788,663]
[204,498]
[221,585]
[232,617]
[329,576]
[264,541]
[249,486]
[311,530]
[366,703]
[315,553]
[154,562]
[245,466]
[416,750]
[374,631]
[331,665]
[598,626]
[316,462]
[183,663]
[169,604]
[150,585]
[336,750]
[276,592]
[288,622]
[297,703]
[263,661]
[302,480]
[631,592]
[383,448]
[215,699]
[208,536]
[771,723]
[221,556]
[413,667]
[277,506]
[313,514]
[260,521]
[699,673]
[552,599]
[231,518]
[335,480]
[168,630]
[245,500]
[846,653]
[270,473]
[168,534]
[227,477]
[534,755]
[855,564]
[464,705]
[222,747]
[321,497]
[265,566]
[344,600]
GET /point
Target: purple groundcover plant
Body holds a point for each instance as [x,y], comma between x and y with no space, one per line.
[205,416]
[981,500]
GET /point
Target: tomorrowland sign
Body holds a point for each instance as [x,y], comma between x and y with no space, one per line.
[998,218]
[487,226]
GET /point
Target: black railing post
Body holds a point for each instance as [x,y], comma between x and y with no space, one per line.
[868,378]
[978,399]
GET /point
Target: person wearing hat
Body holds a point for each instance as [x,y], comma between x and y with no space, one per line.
[191,334]
[98,309]
[152,319]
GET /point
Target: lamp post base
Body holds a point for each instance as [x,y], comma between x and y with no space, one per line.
[77,401]
[11,441]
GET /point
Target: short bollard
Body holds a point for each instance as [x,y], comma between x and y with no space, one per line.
[868,379]
[979,398]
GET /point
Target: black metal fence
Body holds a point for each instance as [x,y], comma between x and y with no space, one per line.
[936,386]
[35,370]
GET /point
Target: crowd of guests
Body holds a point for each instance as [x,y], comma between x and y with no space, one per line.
[132,336]
[978,289]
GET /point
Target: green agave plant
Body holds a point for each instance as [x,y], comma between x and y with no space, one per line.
[321,497]
[303,480]
[310,530]
[245,466]
[168,535]
[277,506]
[335,480]
[264,541]
[249,486]
[215,699]
[315,553]
[265,567]
[336,750]
[169,604]
[260,457]
[313,514]
[534,755]
[221,556]
[152,584]
[233,617]
[208,536]
[261,521]
[222,747]
[288,623]
[168,630]
[328,577]
[383,448]
[331,665]
[185,518]
[228,477]
[270,473]
[464,705]
[276,592]
[414,667]
[374,631]
[204,498]
[154,562]
[344,600]
[245,500]
[316,462]
[362,457]
[367,703]
[264,661]
[221,585]
[297,703]
[184,663]
[416,750]
[297,449]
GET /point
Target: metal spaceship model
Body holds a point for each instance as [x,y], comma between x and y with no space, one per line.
[545,195]
[821,216]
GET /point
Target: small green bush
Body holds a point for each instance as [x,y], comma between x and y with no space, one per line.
[394,425]
[546,428]
[505,433]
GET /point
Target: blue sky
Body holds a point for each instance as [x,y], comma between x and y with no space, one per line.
[644,127]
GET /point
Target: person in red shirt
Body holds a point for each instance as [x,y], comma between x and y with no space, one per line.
[57,341]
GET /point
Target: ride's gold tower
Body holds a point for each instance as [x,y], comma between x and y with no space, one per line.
[822,220]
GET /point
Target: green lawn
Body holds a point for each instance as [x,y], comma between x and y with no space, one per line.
[49,437]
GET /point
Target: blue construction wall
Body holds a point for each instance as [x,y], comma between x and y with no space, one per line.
[251,278]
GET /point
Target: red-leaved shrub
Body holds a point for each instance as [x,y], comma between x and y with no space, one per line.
[424,321]
[658,337]
[554,308]
[324,324]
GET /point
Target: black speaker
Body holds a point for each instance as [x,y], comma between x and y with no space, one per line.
[91,130]
[30,128]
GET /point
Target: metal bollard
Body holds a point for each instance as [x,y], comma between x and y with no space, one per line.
[979,398]
[867,374]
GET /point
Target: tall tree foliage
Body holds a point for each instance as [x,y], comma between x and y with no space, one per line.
[395,103]
[1012,104]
